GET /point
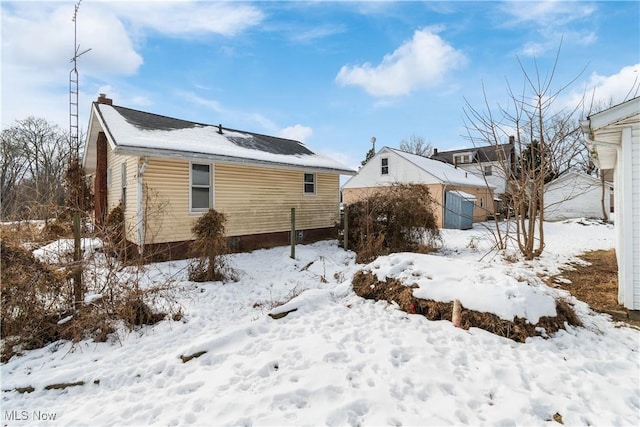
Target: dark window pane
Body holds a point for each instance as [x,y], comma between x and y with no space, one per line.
[199,198]
[200,175]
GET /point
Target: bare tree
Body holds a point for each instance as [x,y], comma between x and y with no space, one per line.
[35,156]
[545,137]
[12,169]
[417,145]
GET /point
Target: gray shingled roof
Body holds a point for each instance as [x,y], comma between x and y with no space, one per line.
[266,143]
[480,154]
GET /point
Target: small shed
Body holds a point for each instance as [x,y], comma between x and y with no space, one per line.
[392,166]
[458,210]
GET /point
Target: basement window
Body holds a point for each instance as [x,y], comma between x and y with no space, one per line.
[309,183]
[201,188]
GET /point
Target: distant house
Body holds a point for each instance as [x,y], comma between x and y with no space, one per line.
[488,162]
[390,166]
[574,195]
[167,172]
[613,137]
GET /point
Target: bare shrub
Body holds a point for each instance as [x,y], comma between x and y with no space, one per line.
[136,312]
[78,194]
[33,300]
[210,248]
[399,218]
[114,234]
[56,228]
[37,304]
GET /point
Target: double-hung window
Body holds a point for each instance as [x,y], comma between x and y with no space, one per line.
[201,188]
[309,183]
[384,166]
[488,171]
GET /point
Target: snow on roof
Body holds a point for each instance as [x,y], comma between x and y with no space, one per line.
[463,195]
[575,175]
[442,171]
[137,131]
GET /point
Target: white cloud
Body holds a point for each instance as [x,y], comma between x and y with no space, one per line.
[296,132]
[38,43]
[614,89]
[551,21]
[209,104]
[599,91]
[316,33]
[421,62]
[44,40]
[547,13]
[190,18]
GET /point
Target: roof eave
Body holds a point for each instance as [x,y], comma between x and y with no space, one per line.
[612,115]
[188,155]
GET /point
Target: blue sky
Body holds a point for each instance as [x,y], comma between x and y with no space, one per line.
[332,74]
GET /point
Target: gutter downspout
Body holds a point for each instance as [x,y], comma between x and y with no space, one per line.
[142,166]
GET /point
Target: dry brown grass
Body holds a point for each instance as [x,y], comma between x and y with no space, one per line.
[37,305]
[597,283]
[368,286]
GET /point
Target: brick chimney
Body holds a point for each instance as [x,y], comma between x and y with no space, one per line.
[435,152]
[100,183]
[512,139]
[102,99]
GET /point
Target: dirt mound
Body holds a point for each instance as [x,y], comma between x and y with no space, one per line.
[367,285]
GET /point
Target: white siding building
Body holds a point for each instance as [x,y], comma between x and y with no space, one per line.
[391,166]
[613,136]
[576,195]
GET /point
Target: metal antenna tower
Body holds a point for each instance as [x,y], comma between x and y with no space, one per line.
[74,87]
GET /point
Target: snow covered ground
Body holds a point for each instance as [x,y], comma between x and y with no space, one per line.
[342,360]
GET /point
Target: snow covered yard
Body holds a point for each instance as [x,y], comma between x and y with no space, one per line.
[339,359]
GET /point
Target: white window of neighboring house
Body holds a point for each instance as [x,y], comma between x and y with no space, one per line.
[201,188]
[488,171]
[459,159]
[309,183]
[123,180]
[109,177]
[384,166]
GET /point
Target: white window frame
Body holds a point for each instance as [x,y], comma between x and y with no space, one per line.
[488,170]
[305,183]
[109,174]
[461,158]
[210,187]
[384,166]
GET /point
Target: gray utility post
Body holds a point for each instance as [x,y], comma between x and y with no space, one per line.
[293,233]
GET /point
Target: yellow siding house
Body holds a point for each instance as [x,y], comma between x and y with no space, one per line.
[167,172]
